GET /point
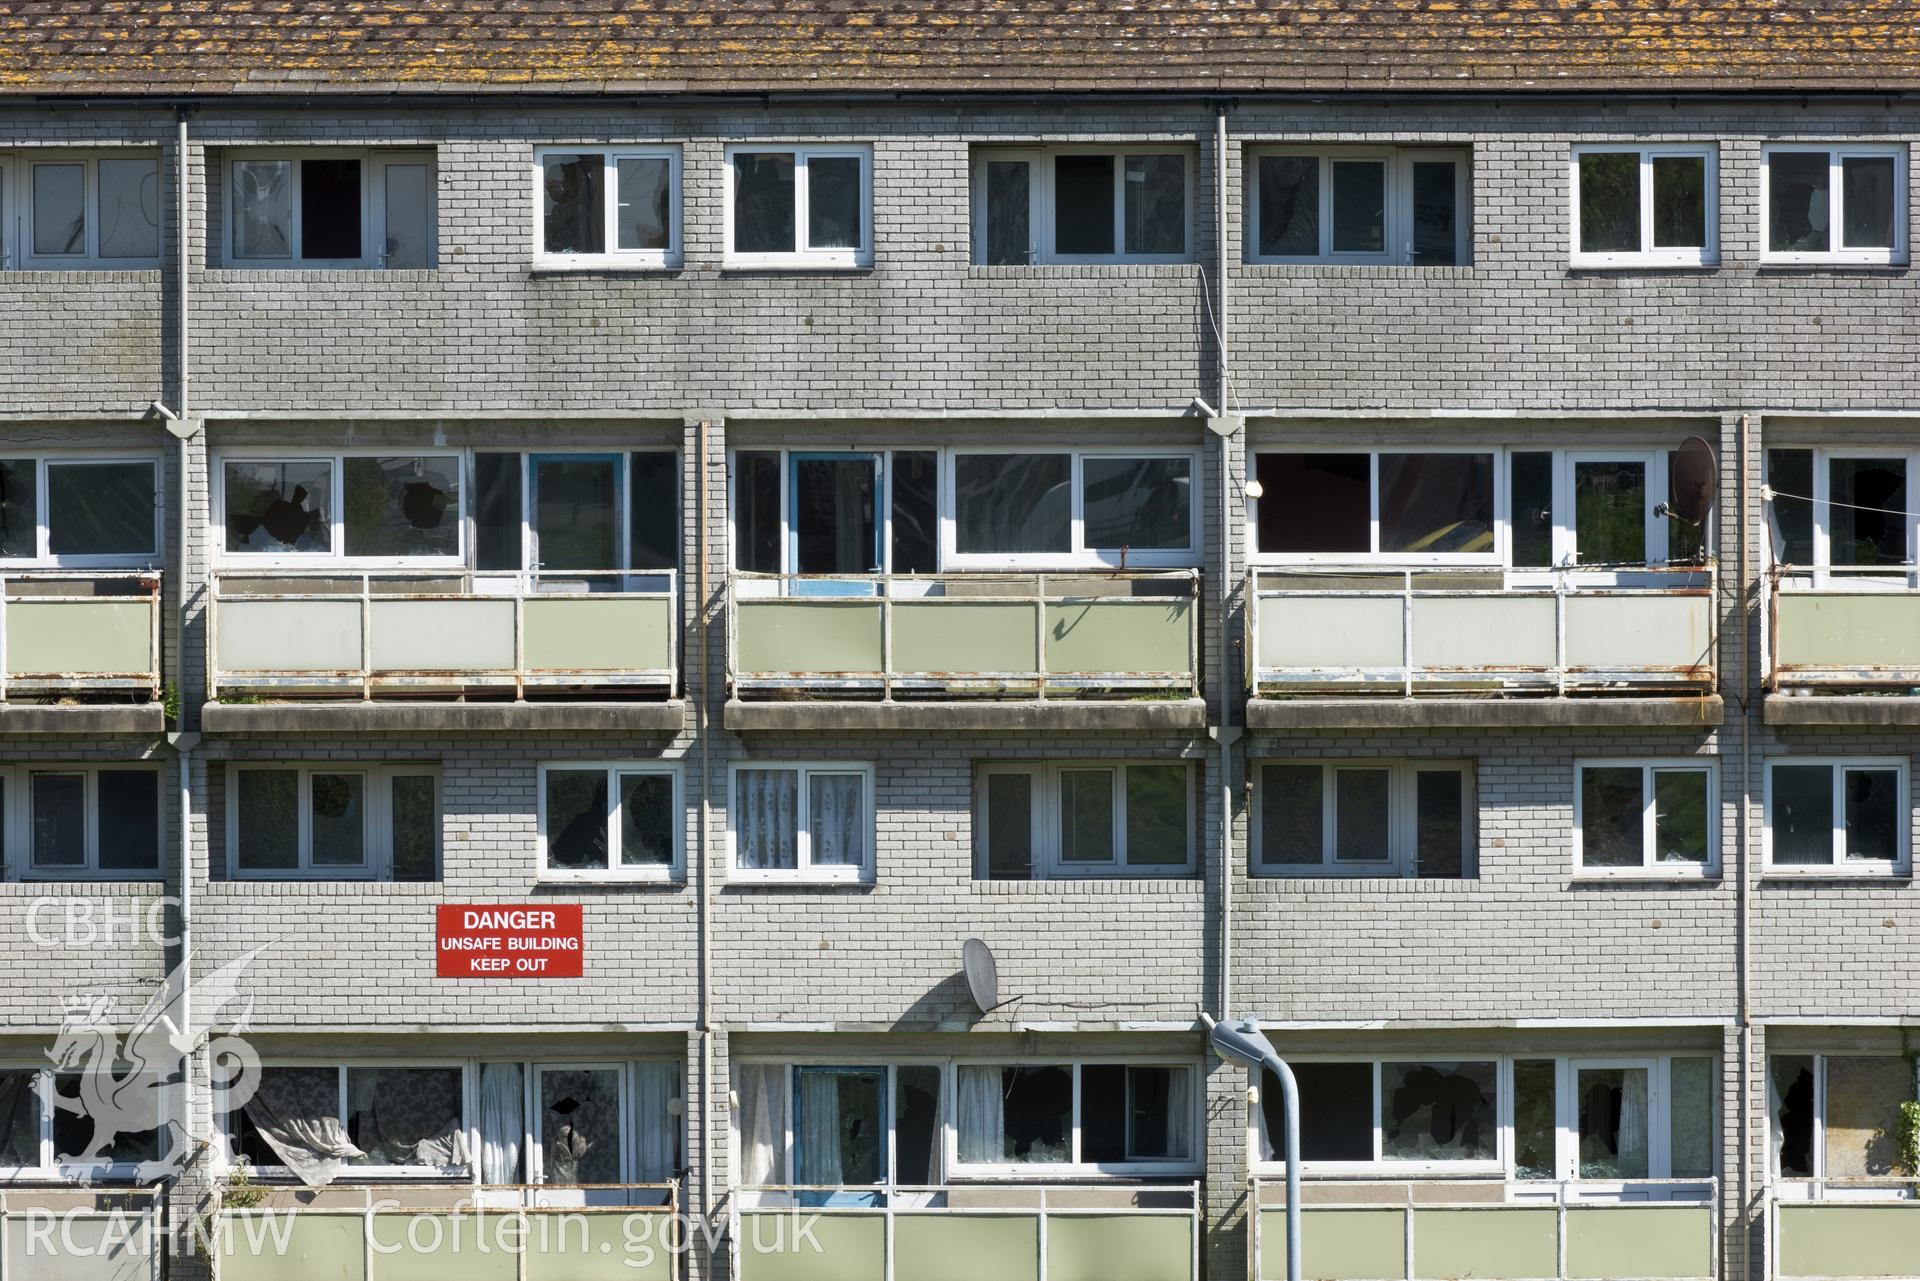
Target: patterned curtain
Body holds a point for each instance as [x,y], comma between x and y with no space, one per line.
[766,819]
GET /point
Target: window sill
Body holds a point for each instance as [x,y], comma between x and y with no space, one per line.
[81,269]
[1336,883]
[784,266]
[247,887]
[324,272]
[1333,269]
[27,883]
[1644,875]
[675,879]
[604,267]
[1188,883]
[799,881]
[1056,270]
[1818,262]
[1870,875]
[1613,265]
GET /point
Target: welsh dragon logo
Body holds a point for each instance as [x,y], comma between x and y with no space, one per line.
[138,1084]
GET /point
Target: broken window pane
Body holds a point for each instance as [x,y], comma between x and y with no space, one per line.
[1083,205]
[128,821]
[1436,503]
[402,506]
[1009,213]
[278,507]
[645,202]
[1103,1113]
[1863,1114]
[408,234]
[756,519]
[1800,814]
[130,208]
[1289,206]
[406,1116]
[1790,476]
[1157,797]
[833,202]
[1156,204]
[577,819]
[916,1124]
[1875,811]
[267,819]
[60,209]
[1013,503]
[1291,815]
[1690,1111]
[1315,502]
[1336,1111]
[1440,823]
[1438,1112]
[1799,199]
[653,486]
[763,202]
[1009,826]
[1086,816]
[19,507]
[1680,818]
[416,827]
[1360,824]
[59,804]
[1679,202]
[1138,503]
[1867,195]
[1613,807]
[581,1125]
[19,1119]
[339,820]
[74,1130]
[1867,511]
[1436,213]
[1790,1085]
[1610,512]
[1613,1122]
[100,509]
[330,209]
[263,209]
[1038,1111]
[916,512]
[1359,206]
[1535,1119]
[573,206]
[839,1126]
[647,820]
[1532,484]
[1609,202]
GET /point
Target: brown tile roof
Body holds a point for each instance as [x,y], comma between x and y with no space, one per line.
[220,46]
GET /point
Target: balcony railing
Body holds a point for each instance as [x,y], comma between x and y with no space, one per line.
[1644,1228]
[1009,1232]
[73,1234]
[395,632]
[1853,627]
[1021,635]
[1843,1228]
[1468,630]
[63,631]
[395,1232]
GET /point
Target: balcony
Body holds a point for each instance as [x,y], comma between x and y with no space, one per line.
[1578,646]
[1125,640]
[80,651]
[391,1232]
[1646,1229]
[71,1234]
[1867,1228]
[1842,645]
[472,637]
[1007,1232]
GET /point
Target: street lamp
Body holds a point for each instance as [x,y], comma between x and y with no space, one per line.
[1243,1042]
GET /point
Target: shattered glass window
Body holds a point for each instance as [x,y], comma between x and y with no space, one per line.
[275,507]
[402,506]
[573,207]
[262,209]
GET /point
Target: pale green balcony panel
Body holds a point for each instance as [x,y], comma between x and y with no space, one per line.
[318,1247]
[1119,1247]
[107,636]
[1641,1241]
[852,1247]
[970,1247]
[1850,1241]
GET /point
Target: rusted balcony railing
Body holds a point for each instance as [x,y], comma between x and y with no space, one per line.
[84,631]
[1842,628]
[1466,630]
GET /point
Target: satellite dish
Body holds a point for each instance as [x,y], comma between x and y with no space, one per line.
[983,973]
[1693,478]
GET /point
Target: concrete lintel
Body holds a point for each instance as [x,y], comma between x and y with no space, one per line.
[431,718]
[1840,709]
[1185,715]
[146,719]
[1488,713]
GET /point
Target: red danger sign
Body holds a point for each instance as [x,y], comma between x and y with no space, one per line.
[511,942]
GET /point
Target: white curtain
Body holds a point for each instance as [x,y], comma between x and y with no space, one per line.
[1179,1114]
[816,1155]
[655,1085]
[834,820]
[982,1119]
[762,1123]
[502,1122]
[1633,1124]
[296,1113]
[766,820]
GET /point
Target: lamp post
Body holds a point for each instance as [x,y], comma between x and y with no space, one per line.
[1243,1042]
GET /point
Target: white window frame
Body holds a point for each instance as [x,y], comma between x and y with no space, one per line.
[1041,195]
[802,256]
[1816,1187]
[804,872]
[1398,238]
[336,554]
[43,556]
[16,205]
[1402,818]
[1650,867]
[1821,572]
[17,784]
[536,1116]
[1841,867]
[614,771]
[48,1168]
[378,819]
[469,1172]
[1707,255]
[1837,153]
[612,258]
[529,550]
[1078,554]
[373,205]
[962,1172]
[1047,812]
